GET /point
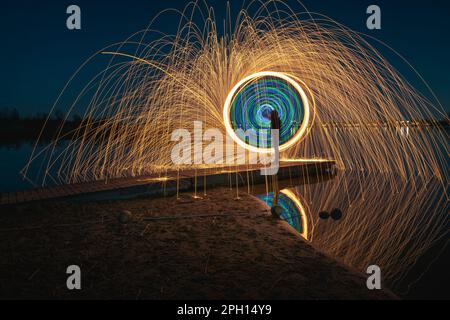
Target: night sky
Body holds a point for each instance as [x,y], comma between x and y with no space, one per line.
[39,53]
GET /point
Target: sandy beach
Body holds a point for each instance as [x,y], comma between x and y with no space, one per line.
[210,248]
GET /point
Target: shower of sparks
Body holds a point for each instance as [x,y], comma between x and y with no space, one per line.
[134,105]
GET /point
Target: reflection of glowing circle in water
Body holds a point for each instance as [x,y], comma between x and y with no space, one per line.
[293,211]
[250,103]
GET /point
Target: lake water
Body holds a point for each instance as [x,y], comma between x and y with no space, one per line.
[14,159]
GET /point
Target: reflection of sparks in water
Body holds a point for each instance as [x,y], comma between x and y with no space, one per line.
[293,211]
[389,229]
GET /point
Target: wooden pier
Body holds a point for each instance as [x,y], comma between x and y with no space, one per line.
[172,182]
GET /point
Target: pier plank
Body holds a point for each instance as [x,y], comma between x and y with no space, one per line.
[215,176]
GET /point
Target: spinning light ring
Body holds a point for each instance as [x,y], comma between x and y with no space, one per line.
[250,103]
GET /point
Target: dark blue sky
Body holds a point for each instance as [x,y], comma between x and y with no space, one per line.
[39,54]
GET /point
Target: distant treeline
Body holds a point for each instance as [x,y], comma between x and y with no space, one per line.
[16,129]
